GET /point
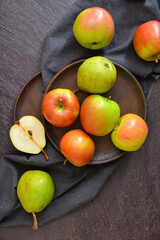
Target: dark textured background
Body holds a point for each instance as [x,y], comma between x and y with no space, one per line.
[128,206]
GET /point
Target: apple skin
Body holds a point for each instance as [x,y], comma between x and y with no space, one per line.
[99,115]
[96,75]
[77,147]
[130,132]
[146,41]
[94,28]
[60,107]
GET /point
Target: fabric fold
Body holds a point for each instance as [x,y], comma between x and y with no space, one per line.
[76,186]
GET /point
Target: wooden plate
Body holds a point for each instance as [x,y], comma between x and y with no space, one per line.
[29,100]
[126,92]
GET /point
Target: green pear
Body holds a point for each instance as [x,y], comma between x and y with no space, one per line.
[96,75]
[35,190]
[28,135]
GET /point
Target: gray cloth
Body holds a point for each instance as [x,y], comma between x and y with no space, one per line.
[76,186]
[61,48]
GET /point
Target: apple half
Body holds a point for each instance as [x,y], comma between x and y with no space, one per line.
[28,135]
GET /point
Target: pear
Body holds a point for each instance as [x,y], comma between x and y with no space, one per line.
[28,135]
[96,75]
[35,190]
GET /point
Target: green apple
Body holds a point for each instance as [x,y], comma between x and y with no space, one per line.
[28,135]
[94,28]
[35,190]
[96,75]
[99,115]
[130,132]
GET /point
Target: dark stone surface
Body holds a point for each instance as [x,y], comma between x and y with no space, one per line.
[128,206]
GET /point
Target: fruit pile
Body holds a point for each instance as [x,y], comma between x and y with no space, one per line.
[98,115]
[93,29]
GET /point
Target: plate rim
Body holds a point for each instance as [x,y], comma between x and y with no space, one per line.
[119,65]
[51,82]
[21,91]
[78,62]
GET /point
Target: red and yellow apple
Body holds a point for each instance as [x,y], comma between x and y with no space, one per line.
[94,28]
[146,41]
[99,115]
[77,147]
[60,107]
[130,132]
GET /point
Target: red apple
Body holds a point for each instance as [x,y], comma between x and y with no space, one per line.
[77,147]
[99,115]
[146,41]
[94,28]
[60,107]
[130,132]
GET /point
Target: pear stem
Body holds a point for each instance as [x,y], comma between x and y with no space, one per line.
[45,154]
[64,163]
[35,225]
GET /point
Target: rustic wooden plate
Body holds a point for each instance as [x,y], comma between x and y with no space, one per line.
[29,100]
[126,92]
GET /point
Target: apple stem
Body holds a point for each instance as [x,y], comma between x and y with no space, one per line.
[76,90]
[61,103]
[35,225]
[109,98]
[64,163]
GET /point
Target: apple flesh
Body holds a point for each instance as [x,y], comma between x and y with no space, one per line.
[99,115]
[96,75]
[94,28]
[35,190]
[60,107]
[146,41]
[77,147]
[130,132]
[28,135]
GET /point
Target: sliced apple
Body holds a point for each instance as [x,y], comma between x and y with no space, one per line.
[28,135]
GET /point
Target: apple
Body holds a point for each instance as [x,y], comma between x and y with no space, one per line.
[96,75]
[77,147]
[146,41]
[130,132]
[28,135]
[60,107]
[99,115]
[94,28]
